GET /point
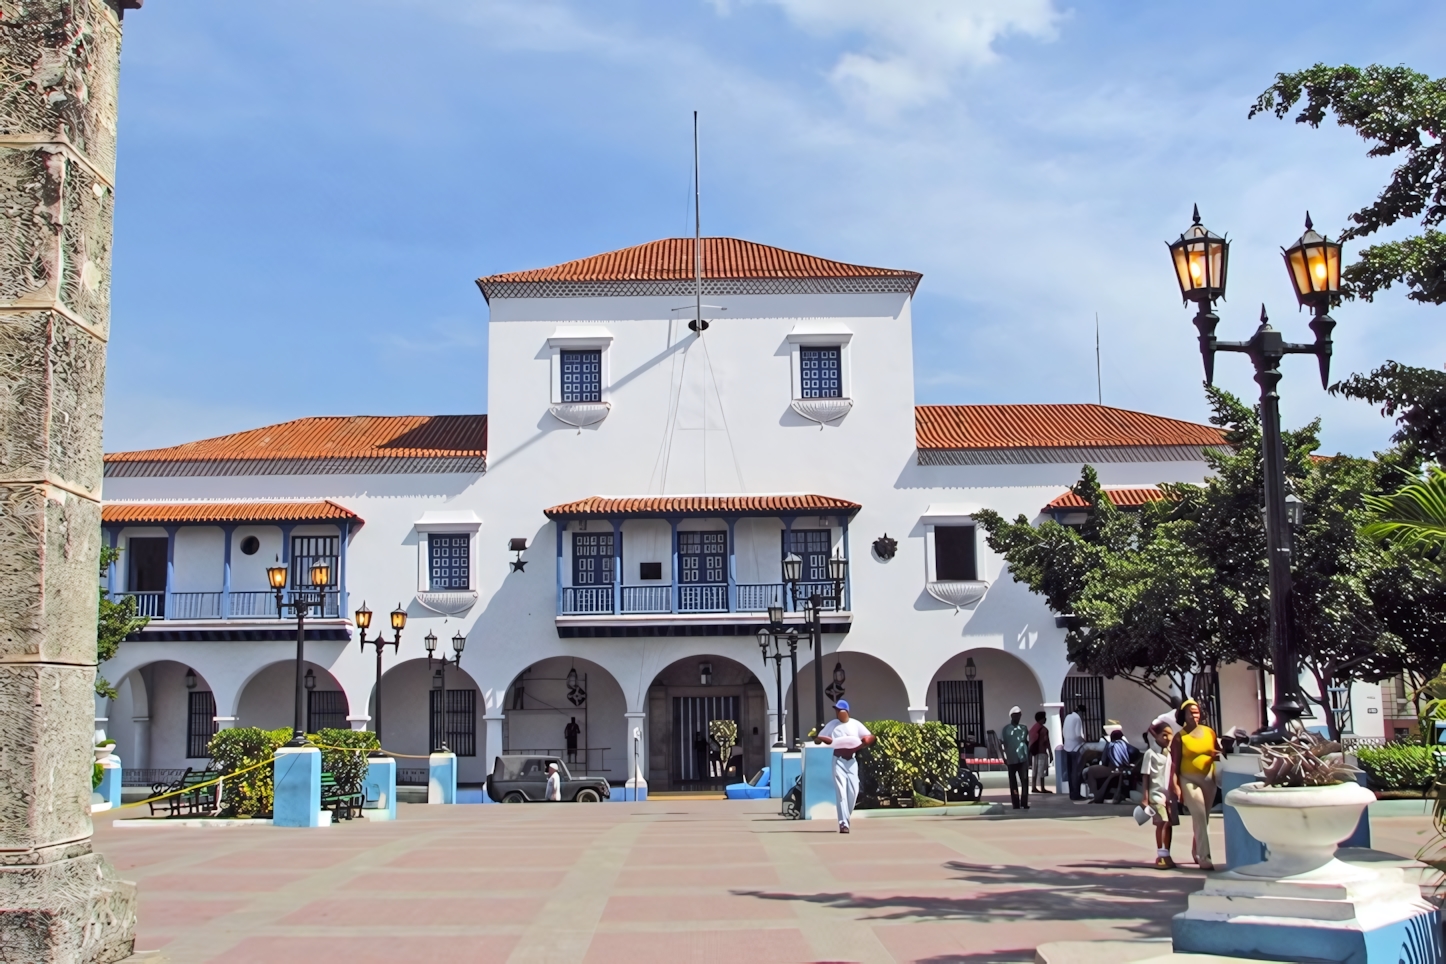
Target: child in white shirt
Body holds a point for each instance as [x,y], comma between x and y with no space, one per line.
[1155,768]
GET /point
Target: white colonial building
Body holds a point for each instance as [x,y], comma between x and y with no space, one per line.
[657,476]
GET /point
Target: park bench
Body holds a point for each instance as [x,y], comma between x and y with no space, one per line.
[344,801]
[196,799]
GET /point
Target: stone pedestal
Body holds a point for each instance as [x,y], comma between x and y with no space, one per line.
[442,777]
[820,801]
[381,788]
[297,774]
[61,60]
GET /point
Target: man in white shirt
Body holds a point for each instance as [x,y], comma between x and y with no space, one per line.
[554,783]
[846,736]
[1073,742]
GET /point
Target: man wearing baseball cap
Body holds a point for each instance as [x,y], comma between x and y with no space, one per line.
[1015,740]
[847,737]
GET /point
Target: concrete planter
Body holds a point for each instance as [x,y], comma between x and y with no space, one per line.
[1300,826]
[102,753]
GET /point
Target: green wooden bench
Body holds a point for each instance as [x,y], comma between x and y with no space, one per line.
[196,800]
[344,801]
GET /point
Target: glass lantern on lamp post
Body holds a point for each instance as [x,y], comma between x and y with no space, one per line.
[300,603]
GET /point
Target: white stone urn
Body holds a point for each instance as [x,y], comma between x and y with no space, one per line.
[1300,826]
[102,753]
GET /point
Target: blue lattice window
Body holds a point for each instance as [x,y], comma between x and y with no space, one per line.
[582,376]
[592,558]
[451,561]
[820,372]
[701,557]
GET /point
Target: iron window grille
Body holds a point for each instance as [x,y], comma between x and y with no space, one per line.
[200,724]
[1089,690]
[450,561]
[308,551]
[954,554]
[820,373]
[702,557]
[812,546]
[325,709]
[961,705]
[592,558]
[582,376]
[461,722]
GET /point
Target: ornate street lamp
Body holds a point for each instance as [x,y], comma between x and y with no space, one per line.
[363,618]
[300,603]
[970,670]
[765,640]
[459,642]
[1313,263]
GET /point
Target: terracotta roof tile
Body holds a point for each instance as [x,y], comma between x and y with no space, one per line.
[354,436]
[671,259]
[150,513]
[1123,498]
[1051,426]
[700,505]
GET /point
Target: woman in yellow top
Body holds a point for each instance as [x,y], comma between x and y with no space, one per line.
[1193,753]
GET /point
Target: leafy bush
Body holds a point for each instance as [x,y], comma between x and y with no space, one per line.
[1398,766]
[349,768]
[97,773]
[725,734]
[903,753]
[251,794]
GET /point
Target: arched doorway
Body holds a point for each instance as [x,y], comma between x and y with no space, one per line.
[162,718]
[974,691]
[682,700]
[413,721]
[564,696]
[268,700]
[873,690]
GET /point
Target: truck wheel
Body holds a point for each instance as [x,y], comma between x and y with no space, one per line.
[514,797]
[587,796]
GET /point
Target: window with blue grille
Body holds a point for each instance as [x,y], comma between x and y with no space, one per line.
[812,546]
[819,372]
[582,376]
[701,557]
[592,558]
[451,561]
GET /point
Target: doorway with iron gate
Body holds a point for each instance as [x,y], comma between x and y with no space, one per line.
[707,723]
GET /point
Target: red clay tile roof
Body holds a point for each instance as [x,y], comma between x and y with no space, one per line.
[671,259]
[598,506]
[1051,426]
[1122,498]
[353,436]
[132,513]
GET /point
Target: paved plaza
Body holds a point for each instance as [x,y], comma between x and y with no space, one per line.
[664,881]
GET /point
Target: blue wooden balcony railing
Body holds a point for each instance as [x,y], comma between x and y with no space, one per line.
[693,598]
[259,604]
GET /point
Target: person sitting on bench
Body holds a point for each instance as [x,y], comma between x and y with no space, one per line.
[1112,766]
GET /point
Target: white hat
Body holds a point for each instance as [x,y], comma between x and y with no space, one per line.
[1013,710]
[552,766]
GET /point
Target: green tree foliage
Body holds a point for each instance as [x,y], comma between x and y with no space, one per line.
[1159,596]
[117,621]
[1416,397]
[905,752]
[349,763]
[1399,112]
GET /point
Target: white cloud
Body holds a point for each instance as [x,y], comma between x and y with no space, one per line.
[910,52]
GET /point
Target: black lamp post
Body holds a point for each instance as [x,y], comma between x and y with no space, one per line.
[838,568]
[1314,263]
[767,641]
[459,642]
[300,603]
[777,629]
[363,618]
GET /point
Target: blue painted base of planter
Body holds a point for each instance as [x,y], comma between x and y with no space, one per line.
[110,785]
[819,799]
[442,778]
[1415,940]
[381,788]
[297,775]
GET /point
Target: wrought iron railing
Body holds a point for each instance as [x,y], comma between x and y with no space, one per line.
[647,599]
[144,777]
[412,776]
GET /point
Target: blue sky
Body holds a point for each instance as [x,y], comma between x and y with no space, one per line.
[308,187]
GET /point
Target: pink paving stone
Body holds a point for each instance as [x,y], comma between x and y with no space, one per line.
[683,908]
[492,949]
[736,875]
[858,851]
[296,858]
[168,913]
[457,857]
[435,881]
[700,947]
[673,856]
[878,871]
[414,911]
[954,940]
[211,883]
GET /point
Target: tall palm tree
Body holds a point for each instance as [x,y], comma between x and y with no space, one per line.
[1413,518]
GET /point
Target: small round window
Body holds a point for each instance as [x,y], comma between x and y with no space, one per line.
[250,544]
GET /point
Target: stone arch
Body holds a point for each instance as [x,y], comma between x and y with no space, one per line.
[540,703]
[873,689]
[268,697]
[680,699]
[1005,679]
[406,711]
[150,717]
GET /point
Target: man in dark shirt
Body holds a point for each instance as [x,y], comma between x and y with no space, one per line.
[570,734]
[1113,763]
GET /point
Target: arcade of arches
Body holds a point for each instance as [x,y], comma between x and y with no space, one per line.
[682,699]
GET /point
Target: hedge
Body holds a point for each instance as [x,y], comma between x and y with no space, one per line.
[903,753]
[252,794]
[1399,766]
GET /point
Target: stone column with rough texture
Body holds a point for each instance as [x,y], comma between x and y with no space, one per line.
[59,901]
